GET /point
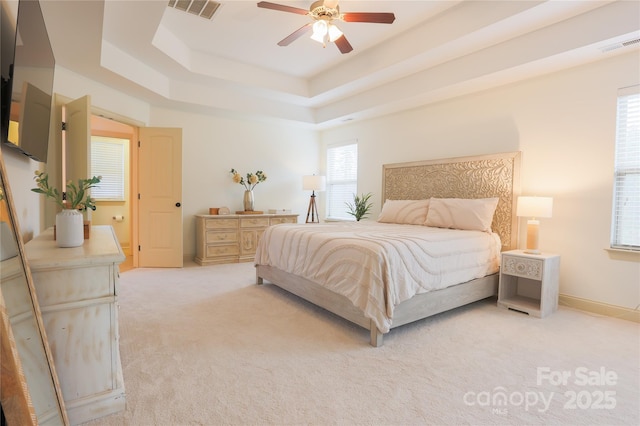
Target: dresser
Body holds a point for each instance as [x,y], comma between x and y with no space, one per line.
[233,238]
[77,289]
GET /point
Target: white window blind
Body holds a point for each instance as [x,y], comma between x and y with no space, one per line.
[626,192]
[342,179]
[107,160]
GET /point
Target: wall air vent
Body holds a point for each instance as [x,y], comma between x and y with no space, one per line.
[630,42]
[203,8]
[619,45]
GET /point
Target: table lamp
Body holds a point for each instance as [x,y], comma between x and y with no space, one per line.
[313,183]
[534,208]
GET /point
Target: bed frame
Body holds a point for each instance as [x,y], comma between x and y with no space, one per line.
[496,175]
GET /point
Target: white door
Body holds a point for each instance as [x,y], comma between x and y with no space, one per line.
[160,197]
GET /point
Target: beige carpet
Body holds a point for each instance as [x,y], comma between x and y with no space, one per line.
[205,346]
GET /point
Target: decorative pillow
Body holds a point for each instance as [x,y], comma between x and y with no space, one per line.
[404,212]
[458,213]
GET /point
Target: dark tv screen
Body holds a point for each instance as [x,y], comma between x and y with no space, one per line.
[27,82]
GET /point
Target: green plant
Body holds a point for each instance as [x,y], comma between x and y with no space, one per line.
[76,196]
[360,206]
[252,179]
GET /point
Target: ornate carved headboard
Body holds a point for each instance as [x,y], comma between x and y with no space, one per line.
[486,176]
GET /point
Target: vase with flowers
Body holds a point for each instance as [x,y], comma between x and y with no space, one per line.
[252,179]
[75,200]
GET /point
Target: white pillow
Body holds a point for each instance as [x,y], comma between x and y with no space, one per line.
[404,212]
[458,213]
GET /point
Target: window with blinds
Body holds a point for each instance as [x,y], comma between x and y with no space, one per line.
[342,179]
[625,232]
[107,160]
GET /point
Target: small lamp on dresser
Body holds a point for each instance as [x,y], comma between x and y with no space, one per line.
[534,208]
[313,183]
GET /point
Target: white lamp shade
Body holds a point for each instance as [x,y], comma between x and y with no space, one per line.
[320,29]
[334,33]
[314,183]
[535,207]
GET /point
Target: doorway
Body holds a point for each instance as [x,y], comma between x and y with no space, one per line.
[115,209]
[155,158]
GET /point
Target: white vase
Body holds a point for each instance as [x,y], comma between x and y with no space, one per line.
[69,228]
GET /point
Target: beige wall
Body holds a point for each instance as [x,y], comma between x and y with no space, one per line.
[564,124]
[212,146]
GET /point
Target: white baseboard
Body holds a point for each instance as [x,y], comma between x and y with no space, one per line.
[600,308]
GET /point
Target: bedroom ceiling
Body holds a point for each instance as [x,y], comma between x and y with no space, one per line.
[231,64]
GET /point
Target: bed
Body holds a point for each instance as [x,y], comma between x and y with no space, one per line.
[393,285]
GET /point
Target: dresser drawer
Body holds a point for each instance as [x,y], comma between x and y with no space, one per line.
[221,223]
[223,250]
[522,267]
[278,220]
[254,222]
[221,237]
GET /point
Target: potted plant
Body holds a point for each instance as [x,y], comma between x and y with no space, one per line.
[76,199]
[360,206]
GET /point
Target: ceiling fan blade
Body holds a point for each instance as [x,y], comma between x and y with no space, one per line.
[376,18]
[282,8]
[343,44]
[295,35]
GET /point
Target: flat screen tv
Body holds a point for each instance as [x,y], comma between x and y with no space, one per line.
[28,66]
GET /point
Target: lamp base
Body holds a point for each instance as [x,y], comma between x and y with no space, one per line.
[313,210]
[532,236]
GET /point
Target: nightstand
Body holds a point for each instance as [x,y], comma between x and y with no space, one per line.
[529,282]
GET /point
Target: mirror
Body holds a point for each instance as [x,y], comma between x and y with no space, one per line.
[29,388]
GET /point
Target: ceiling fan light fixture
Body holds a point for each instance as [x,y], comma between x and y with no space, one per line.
[334,33]
[320,27]
[318,38]
[319,31]
[323,13]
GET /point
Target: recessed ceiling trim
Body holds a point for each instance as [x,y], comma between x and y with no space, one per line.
[203,8]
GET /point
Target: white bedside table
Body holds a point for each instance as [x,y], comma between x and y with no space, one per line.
[529,282]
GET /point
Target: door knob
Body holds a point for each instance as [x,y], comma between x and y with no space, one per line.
[178,204]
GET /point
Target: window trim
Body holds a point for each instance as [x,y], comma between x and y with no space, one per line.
[328,214]
[122,143]
[620,171]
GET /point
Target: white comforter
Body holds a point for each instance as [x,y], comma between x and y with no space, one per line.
[377,265]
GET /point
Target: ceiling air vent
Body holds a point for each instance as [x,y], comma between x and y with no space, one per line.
[621,44]
[203,8]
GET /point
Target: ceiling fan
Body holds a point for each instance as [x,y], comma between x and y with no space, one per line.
[323,13]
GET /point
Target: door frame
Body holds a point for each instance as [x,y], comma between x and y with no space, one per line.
[133,172]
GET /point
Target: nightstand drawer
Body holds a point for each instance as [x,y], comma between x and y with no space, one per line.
[254,222]
[522,267]
[223,250]
[221,237]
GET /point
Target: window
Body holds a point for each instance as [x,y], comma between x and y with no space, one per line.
[625,232]
[342,179]
[107,160]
